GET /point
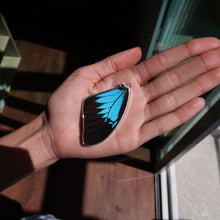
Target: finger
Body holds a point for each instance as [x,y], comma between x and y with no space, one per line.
[173,100]
[170,121]
[182,74]
[167,59]
[115,63]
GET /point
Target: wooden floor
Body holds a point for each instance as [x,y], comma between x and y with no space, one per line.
[71,188]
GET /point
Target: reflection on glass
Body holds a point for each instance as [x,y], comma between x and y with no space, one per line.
[9,61]
[185,20]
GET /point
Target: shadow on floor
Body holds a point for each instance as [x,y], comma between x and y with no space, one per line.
[10,209]
[64,190]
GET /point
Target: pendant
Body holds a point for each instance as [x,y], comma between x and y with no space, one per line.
[102,112]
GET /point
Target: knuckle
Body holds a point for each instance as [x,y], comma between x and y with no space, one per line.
[112,64]
[205,61]
[194,46]
[158,128]
[191,46]
[148,112]
[178,118]
[200,85]
[211,58]
[174,79]
[162,59]
[171,101]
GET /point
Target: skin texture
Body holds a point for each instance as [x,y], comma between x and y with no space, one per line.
[153,108]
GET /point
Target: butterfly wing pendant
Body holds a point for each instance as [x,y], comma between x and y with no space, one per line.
[102,112]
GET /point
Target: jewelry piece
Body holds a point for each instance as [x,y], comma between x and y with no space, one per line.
[102,112]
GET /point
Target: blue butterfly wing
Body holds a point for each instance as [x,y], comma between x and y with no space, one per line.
[102,113]
[111,103]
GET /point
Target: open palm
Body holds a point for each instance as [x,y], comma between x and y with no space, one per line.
[157,107]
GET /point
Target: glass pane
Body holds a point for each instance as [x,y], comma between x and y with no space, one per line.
[9,61]
[185,20]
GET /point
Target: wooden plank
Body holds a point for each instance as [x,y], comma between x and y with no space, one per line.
[97,189]
[29,192]
[36,60]
[116,191]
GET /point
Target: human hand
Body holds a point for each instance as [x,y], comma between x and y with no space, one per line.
[153,109]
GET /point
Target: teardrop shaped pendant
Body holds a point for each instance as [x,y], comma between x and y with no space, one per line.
[102,112]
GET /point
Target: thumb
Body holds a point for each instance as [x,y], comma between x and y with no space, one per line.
[116,62]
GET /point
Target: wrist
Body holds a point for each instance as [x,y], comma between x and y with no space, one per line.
[39,145]
[34,139]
